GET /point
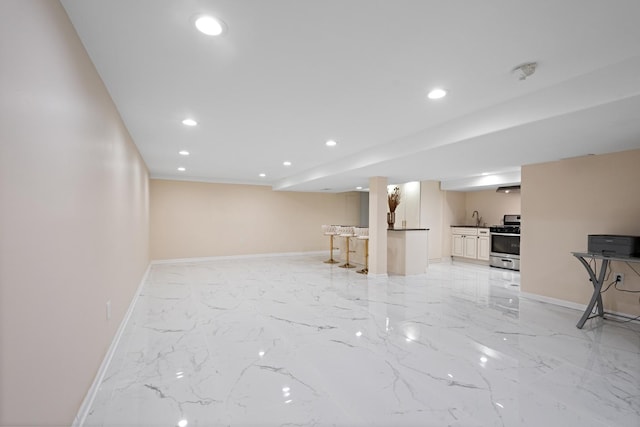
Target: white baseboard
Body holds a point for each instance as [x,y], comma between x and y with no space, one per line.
[87,403]
[469,261]
[554,301]
[568,304]
[229,257]
[377,276]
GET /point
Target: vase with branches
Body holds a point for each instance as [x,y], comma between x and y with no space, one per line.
[394,200]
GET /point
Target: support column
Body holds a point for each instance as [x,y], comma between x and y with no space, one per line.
[377,226]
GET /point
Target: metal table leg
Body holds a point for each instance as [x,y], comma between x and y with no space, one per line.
[331,260]
[597,283]
[365,270]
[347,264]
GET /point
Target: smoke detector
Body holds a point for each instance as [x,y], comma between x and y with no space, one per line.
[525,70]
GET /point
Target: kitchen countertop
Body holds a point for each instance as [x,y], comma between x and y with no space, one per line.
[471,226]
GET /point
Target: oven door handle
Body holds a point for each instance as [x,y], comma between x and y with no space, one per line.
[505,234]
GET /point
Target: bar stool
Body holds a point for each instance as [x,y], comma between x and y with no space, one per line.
[363,234]
[347,233]
[330,230]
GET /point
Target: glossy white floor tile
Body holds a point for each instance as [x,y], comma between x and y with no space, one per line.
[290,341]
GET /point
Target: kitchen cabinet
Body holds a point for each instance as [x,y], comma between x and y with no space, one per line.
[470,242]
[484,244]
[457,245]
[470,246]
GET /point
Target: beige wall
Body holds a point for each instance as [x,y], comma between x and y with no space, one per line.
[454,212]
[73,216]
[432,213]
[378,208]
[192,219]
[492,206]
[562,203]
[454,208]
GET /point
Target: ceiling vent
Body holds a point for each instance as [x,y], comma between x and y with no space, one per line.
[525,70]
[509,189]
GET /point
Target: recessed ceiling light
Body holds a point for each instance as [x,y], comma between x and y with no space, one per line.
[287,163]
[262,175]
[358,188]
[181,169]
[331,143]
[189,122]
[484,173]
[183,152]
[437,93]
[210,25]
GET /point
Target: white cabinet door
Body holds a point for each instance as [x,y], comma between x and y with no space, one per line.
[484,248]
[470,246]
[457,245]
[464,231]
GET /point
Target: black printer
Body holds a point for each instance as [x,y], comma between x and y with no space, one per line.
[614,245]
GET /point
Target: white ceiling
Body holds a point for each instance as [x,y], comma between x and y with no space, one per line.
[290,74]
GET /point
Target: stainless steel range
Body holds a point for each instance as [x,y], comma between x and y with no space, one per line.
[505,243]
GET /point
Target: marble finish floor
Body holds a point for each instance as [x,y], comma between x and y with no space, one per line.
[290,341]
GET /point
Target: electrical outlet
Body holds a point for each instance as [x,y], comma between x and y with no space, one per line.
[109,310]
[619,278]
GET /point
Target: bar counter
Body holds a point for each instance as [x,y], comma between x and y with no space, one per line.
[407,251]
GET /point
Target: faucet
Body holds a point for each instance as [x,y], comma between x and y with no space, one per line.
[477,216]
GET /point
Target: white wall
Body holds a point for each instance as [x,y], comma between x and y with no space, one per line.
[409,208]
[73,216]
